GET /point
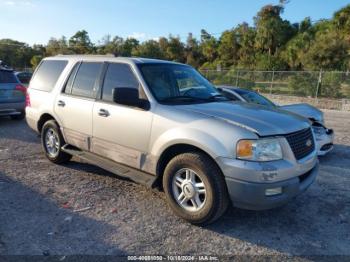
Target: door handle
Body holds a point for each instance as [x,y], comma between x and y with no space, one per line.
[103,112]
[61,103]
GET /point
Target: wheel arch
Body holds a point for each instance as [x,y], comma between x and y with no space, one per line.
[170,152]
[43,119]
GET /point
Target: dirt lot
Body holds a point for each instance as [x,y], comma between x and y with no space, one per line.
[40,202]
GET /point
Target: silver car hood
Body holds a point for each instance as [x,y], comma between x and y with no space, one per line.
[304,110]
[259,119]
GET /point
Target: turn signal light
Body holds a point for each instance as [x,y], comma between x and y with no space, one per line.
[245,149]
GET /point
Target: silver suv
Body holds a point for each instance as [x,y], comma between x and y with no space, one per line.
[162,124]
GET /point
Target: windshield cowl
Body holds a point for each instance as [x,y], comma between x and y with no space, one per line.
[193,100]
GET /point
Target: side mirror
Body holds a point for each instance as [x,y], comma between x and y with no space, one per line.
[129,97]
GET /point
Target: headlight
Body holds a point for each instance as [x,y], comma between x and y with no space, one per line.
[267,149]
[319,130]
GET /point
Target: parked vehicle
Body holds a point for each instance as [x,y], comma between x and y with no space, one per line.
[324,136]
[12,94]
[162,124]
[24,77]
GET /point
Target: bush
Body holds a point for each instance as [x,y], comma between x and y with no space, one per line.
[331,85]
[303,84]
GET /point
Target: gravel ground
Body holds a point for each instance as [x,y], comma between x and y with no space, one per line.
[81,209]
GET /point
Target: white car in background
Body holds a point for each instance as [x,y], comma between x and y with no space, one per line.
[324,136]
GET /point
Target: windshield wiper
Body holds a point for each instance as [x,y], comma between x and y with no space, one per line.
[213,97]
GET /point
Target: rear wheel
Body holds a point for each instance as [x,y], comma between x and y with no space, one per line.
[52,142]
[195,188]
[18,117]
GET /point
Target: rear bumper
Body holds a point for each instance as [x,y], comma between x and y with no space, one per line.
[252,196]
[8,109]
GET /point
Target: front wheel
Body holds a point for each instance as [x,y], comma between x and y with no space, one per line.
[195,188]
[52,142]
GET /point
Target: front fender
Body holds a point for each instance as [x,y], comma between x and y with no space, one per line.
[189,136]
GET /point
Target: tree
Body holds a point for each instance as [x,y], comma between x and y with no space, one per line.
[149,49]
[192,51]
[175,50]
[341,19]
[295,50]
[128,46]
[208,46]
[36,60]
[163,45]
[246,42]
[272,43]
[16,54]
[228,48]
[80,43]
[111,46]
[305,25]
[329,51]
[57,46]
[272,31]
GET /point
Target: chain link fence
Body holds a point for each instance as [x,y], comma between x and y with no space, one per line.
[325,89]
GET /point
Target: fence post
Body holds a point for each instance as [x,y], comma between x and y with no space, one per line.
[272,79]
[207,74]
[318,84]
[237,74]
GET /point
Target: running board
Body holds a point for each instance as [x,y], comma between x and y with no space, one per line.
[111,166]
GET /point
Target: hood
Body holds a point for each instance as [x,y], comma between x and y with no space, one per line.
[305,110]
[259,119]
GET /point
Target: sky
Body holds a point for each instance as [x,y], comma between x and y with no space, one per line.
[36,21]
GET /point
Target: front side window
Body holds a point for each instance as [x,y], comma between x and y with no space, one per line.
[178,83]
[85,79]
[118,75]
[47,74]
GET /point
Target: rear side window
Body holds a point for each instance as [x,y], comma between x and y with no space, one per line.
[118,75]
[85,79]
[7,77]
[47,74]
[69,84]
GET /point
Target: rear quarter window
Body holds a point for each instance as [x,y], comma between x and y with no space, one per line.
[7,77]
[47,74]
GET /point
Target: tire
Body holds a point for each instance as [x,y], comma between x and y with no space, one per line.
[208,206]
[19,117]
[53,151]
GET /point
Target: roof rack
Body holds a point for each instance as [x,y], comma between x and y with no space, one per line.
[89,55]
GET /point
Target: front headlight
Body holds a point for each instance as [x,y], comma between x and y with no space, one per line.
[266,149]
[319,130]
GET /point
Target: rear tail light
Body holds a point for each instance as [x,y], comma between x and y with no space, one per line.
[27,100]
[21,88]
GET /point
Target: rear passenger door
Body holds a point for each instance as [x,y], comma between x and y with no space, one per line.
[120,133]
[74,104]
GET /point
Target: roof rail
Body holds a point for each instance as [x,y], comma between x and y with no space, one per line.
[106,55]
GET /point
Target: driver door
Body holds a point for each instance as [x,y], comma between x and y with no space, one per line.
[120,133]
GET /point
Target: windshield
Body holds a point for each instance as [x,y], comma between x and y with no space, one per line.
[171,83]
[253,97]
